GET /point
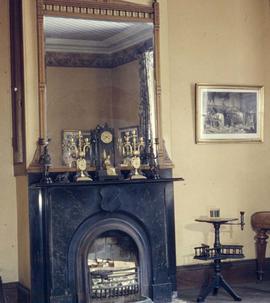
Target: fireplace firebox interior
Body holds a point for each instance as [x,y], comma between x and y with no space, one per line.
[113,267]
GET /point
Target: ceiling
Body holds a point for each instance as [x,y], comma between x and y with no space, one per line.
[93,36]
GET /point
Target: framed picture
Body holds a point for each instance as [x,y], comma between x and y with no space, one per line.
[125,160]
[68,157]
[130,129]
[229,113]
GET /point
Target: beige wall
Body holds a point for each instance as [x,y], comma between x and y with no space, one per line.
[8,216]
[216,42]
[126,94]
[72,95]
[23,231]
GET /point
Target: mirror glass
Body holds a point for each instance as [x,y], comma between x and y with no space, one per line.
[98,72]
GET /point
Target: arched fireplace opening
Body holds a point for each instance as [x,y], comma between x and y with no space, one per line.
[112,261]
[113,264]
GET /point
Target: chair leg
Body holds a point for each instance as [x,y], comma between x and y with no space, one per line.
[261,244]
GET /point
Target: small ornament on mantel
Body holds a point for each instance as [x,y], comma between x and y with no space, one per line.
[45,161]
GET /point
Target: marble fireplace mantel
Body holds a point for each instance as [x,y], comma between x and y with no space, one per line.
[62,215]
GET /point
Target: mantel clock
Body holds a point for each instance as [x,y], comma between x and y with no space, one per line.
[104,146]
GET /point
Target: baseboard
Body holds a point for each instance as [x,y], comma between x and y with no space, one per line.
[188,276]
[15,292]
[23,294]
[11,292]
[243,271]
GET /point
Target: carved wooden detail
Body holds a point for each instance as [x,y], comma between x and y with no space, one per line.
[96,9]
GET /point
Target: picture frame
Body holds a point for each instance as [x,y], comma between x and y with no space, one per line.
[69,159]
[229,113]
[125,161]
[123,130]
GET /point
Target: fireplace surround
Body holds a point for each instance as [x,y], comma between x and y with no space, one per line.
[67,219]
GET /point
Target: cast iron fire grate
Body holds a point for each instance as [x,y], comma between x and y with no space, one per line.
[112,283]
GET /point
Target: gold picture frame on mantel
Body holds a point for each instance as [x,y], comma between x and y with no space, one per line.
[229,113]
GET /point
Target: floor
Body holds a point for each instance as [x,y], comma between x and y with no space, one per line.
[250,293]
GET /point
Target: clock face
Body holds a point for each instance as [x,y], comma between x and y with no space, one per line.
[106,137]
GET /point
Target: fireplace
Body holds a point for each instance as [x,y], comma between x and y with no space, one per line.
[102,242]
[113,268]
[111,260]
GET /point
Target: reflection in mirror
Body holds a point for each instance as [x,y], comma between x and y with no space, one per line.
[98,72]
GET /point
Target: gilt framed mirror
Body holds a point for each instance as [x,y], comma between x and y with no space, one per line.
[98,65]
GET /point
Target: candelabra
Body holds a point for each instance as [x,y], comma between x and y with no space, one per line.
[79,148]
[131,147]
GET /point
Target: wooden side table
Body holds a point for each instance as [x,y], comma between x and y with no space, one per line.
[217,253]
[260,222]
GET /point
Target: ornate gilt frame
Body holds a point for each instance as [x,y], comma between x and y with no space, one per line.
[117,10]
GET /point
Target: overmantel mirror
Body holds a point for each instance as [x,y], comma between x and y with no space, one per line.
[98,72]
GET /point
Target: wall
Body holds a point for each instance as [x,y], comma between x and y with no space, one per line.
[216,42]
[126,94]
[23,231]
[72,93]
[8,217]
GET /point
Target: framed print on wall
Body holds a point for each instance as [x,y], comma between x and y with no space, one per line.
[229,113]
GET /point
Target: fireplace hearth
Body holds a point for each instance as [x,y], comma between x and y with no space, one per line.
[102,242]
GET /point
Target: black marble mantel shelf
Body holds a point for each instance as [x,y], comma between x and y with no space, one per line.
[107,182]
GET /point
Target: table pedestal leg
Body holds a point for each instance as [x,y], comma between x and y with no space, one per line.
[229,290]
[217,282]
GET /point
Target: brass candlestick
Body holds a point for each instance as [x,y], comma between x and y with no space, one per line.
[79,148]
[131,148]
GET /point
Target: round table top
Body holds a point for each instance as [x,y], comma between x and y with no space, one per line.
[215,219]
